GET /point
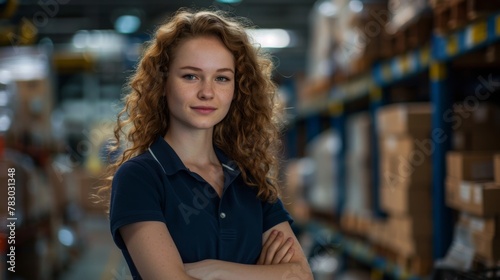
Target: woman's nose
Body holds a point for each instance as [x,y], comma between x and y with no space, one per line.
[206,91]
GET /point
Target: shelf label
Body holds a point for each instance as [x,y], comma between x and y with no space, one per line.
[452,45]
[336,108]
[477,34]
[425,56]
[397,65]
[412,59]
[497,26]
[437,71]
[375,93]
[404,64]
[386,72]
[407,63]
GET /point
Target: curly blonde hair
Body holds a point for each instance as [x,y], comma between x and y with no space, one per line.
[249,134]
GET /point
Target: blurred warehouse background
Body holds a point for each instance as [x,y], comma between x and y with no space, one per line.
[391,165]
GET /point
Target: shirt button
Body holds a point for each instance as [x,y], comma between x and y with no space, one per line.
[222,215]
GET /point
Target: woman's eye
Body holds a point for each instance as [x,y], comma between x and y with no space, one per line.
[222,79]
[189,77]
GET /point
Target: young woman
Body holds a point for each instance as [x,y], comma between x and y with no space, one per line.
[194,195]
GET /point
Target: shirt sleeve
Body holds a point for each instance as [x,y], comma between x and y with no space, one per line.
[274,213]
[136,196]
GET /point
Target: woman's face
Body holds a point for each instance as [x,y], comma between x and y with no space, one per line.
[200,83]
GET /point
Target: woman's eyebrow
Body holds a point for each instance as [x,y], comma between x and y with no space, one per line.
[191,68]
[200,70]
[226,70]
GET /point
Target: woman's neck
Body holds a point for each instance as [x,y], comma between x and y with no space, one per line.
[193,148]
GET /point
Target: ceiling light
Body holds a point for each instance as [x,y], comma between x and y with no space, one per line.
[127,24]
[270,38]
[25,66]
[80,39]
[98,41]
[327,8]
[229,1]
[356,6]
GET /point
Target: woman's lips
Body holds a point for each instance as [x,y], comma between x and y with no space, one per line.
[203,109]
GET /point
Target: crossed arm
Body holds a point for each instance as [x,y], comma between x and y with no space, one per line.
[281,256]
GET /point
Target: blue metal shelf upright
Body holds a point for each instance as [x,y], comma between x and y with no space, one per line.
[338,120]
[378,98]
[441,98]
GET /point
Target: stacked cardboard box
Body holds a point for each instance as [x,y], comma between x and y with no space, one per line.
[323,150]
[485,232]
[496,166]
[475,127]
[435,3]
[472,188]
[471,184]
[405,148]
[399,7]
[358,177]
[88,185]
[33,114]
[380,233]
[356,224]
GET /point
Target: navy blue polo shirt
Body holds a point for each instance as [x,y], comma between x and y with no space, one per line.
[157,186]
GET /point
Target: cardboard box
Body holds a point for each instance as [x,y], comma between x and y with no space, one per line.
[321,195]
[380,233]
[33,114]
[451,196]
[478,198]
[56,181]
[398,22]
[363,225]
[39,199]
[497,168]
[347,222]
[435,3]
[470,166]
[484,116]
[406,201]
[485,227]
[358,133]
[355,223]
[405,118]
[411,235]
[481,140]
[405,160]
[87,189]
[487,248]
[418,265]
[358,184]
[414,246]
[409,227]
[35,91]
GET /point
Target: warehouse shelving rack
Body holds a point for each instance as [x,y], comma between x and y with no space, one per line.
[433,59]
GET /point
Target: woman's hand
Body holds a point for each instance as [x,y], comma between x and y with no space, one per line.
[276,250]
[203,270]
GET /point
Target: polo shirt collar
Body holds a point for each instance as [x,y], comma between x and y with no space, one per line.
[171,162]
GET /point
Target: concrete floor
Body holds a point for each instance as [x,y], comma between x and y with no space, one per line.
[100,259]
